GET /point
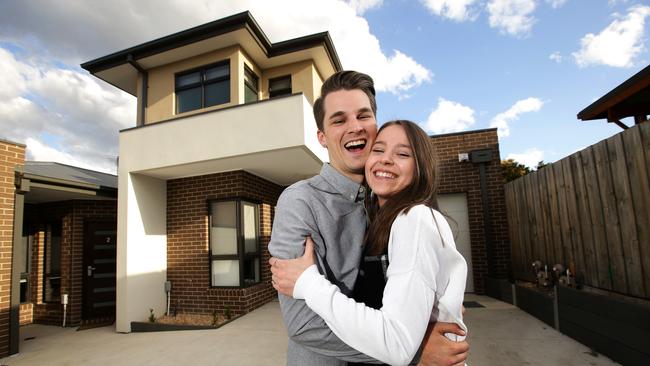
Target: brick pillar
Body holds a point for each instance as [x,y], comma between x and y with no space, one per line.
[11,155]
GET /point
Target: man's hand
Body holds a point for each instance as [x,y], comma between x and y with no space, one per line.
[440,351]
[285,272]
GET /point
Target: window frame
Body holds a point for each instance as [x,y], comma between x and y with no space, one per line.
[241,255]
[202,83]
[254,88]
[283,91]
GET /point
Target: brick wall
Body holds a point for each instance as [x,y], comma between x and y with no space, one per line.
[71,215]
[187,241]
[464,177]
[11,155]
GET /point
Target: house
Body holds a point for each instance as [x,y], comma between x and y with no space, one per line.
[224,124]
[62,223]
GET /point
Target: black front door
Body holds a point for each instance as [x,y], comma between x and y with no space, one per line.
[99,269]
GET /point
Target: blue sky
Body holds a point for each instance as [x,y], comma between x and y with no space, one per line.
[527,66]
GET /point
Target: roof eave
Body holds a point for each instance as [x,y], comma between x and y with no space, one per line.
[599,108]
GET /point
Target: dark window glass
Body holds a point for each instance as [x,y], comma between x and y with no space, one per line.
[25,263]
[203,88]
[217,72]
[52,264]
[234,243]
[188,100]
[251,86]
[280,86]
[217,93]
[188,79]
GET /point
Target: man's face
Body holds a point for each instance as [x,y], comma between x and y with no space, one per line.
[349,130]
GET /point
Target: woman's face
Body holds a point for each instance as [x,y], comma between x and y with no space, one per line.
[391,165]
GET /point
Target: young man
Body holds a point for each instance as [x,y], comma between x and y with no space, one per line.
[329,207]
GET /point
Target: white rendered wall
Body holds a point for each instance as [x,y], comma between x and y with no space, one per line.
[141,248]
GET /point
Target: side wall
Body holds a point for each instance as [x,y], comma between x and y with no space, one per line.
[187,241]
[11,156]
[463,177]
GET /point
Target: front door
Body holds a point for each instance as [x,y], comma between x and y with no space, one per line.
[99,269]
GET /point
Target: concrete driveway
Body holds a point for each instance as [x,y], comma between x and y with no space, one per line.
[500,334]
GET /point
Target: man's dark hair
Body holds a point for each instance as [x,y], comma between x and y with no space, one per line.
[344,80]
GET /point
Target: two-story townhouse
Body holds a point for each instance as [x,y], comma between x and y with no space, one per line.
[224,123]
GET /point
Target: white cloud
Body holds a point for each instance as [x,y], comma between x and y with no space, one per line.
[513,17]
[618,44]
[79,31]
[503,119]
[362,5]
[555,56]
[450,117]
[556,3]
[62,115]
[457,10]
[531,157]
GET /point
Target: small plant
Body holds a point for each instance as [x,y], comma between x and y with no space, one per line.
[215,318]
[227,313]
[152,316]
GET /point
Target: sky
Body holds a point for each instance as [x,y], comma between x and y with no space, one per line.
[526,67]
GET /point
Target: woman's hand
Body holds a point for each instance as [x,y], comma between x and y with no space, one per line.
[285,272]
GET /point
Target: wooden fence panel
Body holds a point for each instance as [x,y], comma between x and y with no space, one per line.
[545,220]
[625,208]
[574,219]
[555,216]
[599,244]
[586,227]
[565,220]
[525,237]
[590,211]
[640,191]
[537,249]
[612,227]
[643,209]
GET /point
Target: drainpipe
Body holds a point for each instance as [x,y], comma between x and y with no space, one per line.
[482,158]
[145,86]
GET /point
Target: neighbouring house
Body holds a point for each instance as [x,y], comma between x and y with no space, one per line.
[224,124]
[62,223]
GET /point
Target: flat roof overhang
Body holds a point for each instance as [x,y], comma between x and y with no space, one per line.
[121,68]
[629,99]
[274,139]
[42,189]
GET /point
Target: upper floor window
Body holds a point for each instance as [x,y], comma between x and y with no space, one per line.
[280,86]
[251,86]
[203,88]
[234,243]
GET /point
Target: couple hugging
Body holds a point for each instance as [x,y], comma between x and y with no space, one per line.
[367,279]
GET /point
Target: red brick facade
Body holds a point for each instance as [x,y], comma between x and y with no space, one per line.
[11,156]
[71,215]
[188,264]
[457,177]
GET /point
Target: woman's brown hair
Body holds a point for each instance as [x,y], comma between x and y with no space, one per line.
[422,189]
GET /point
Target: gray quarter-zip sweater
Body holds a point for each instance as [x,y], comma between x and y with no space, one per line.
[329,207]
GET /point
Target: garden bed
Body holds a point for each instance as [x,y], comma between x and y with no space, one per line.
[182,322]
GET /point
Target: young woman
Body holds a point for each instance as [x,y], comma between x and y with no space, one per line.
[424,277]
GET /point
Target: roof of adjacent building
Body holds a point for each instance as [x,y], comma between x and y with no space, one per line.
[120,68]
[70,175]
[631,98]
